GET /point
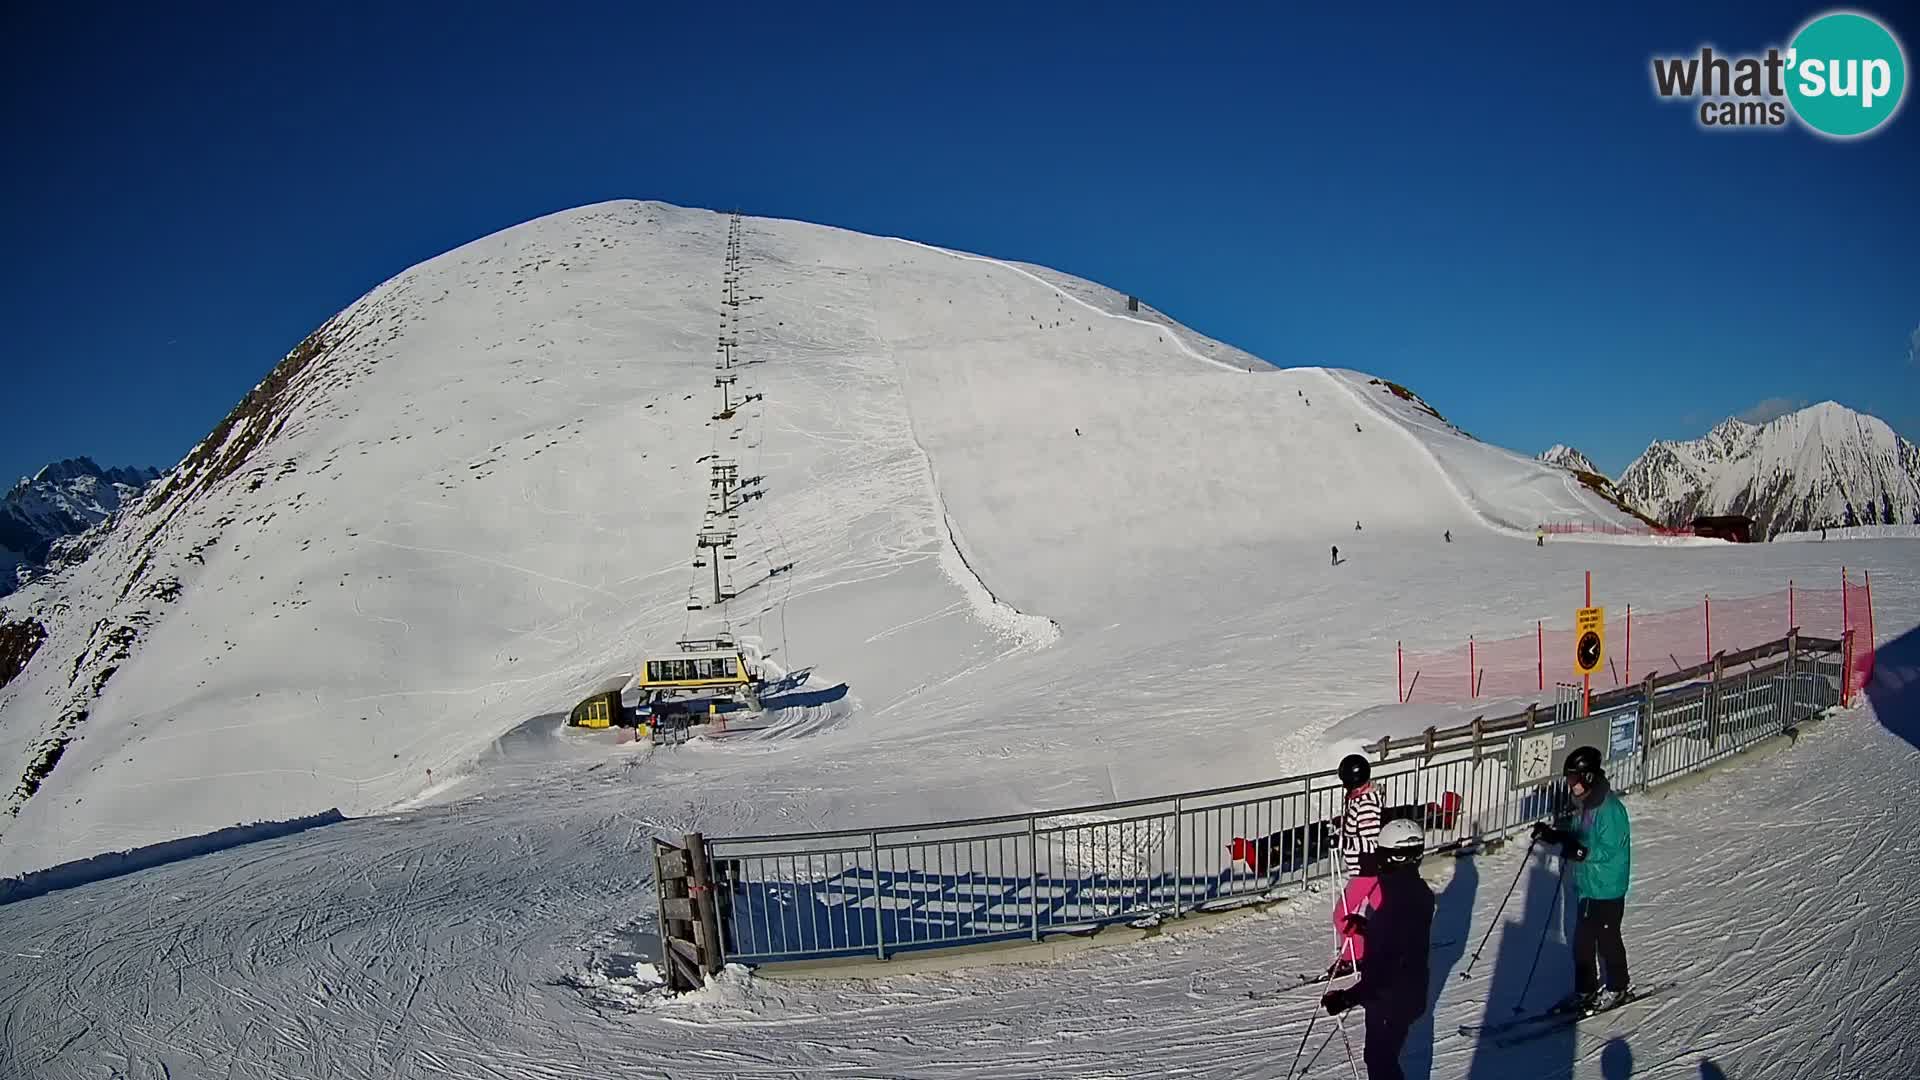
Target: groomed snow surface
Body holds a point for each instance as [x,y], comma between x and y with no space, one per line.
[471,940]
[1028,618]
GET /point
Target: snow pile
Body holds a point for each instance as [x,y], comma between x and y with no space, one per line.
[1823,465]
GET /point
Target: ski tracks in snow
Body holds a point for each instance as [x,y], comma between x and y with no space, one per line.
[438,943]
[1159,328]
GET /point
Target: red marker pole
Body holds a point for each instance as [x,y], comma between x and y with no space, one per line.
[1400,672]
[1789,605]
[1472,691]
[1629,644]
[1540,647]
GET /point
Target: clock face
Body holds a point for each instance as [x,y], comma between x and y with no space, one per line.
[1588,655]
[1536,758]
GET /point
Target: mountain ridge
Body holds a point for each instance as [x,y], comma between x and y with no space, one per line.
[1823,465]
[43,515]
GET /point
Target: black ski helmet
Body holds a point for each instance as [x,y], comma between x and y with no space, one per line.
[1354,771]
[1583,763]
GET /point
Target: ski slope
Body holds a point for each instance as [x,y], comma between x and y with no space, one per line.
[477,501]
[479,938]
[472,496]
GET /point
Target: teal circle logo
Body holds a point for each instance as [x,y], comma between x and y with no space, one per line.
[1846,74]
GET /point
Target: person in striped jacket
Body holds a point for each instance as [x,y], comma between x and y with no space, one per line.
[1359,844]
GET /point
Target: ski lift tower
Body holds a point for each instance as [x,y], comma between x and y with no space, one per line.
[725,482]
[720,542]
[725,383]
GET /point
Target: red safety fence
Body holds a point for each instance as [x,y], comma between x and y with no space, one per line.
[1640,643]
[1558,528]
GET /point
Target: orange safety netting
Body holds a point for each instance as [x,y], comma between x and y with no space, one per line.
[1641,643]
[1569,528]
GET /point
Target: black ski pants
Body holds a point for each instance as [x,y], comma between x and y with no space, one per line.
[1386,1037]
[1597,940]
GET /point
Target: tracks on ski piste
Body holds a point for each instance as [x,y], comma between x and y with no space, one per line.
[1319,979]
[1539,1025]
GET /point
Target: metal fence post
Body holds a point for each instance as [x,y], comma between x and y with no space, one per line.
[1178,863]
[1033,871]
[1646,734]
[879,926]
[706,911]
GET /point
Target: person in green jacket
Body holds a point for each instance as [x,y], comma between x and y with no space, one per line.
[1600,841]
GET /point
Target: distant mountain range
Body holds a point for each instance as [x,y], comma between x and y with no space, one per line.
[44,516]
[1826,465]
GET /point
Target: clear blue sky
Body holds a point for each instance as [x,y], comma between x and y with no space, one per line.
[1492,208]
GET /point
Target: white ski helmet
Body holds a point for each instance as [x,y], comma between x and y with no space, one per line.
[1402,841]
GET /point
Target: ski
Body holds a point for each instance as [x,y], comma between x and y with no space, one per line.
[1498,1026]
[1302,979]
[1546,1026]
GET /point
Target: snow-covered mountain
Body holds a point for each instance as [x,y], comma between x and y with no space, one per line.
[978,490]
[1568,458]
[1824,465]
[43,512]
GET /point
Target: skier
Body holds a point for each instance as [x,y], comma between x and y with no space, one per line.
[1601,841]
[1359,837]
[1449,535]
[1393,978]
[1336,554]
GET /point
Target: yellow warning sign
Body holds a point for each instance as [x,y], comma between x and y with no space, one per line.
[1589,640]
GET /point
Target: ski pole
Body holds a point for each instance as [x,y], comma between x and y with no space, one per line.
[1524,859]
[1345,1038]
[1560,886]
[1308,1067]
[1338,954]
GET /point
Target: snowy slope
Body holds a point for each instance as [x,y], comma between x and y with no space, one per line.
[60,501]
[479,939]
[472,495]
[1568,458]
[1823,465]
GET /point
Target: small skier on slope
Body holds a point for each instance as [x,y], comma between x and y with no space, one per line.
[1393,977]
[1336,554]
[1600,840]
[1359,837]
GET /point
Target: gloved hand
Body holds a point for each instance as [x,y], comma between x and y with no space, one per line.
[1336,1002]
[1356,924]
[1543,832]
[1576,851]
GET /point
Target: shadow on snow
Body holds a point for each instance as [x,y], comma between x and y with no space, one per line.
[114,864]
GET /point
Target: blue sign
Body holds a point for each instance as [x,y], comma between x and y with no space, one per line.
[1622,733]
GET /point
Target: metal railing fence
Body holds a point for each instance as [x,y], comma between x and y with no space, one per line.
[881,891]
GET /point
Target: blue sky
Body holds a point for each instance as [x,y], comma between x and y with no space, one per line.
[1492,208]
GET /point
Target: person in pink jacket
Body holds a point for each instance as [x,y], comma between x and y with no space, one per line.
[1359,842]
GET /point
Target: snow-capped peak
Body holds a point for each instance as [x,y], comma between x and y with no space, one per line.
[1568,458]
[1825,465]
[62,500]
